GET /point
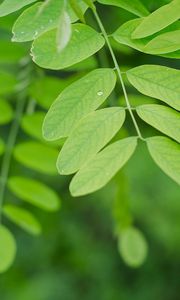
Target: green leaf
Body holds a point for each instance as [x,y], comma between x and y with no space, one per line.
[77,10]
[132,247]
[6,114]
[37,156]
[32,124]
[164,43]
[158,82]
[2,146]
[45,90]
[166,154]
[22,218]
[162,118]
[11,53]
[7,83]
[84,42]
[7,249]
[34,192]
[39,18]
[100,169]
[7,7]
[123,36]
[158,20]
[72,13]
[90,135]
[136,6]
[76,101]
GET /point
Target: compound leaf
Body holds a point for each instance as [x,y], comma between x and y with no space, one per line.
[166,154]
[158,82]
[84,42]
[100,170]
[91,134]
[22,218]
[7,249]
[34,192]
[162,118]
[7,83]
[76,101]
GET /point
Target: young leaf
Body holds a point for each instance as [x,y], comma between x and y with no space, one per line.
[37,156]
[158,20]
[159,82]
[22,218]
[8,7]
[84,42]
[132,247]
[76,101]
[7,249]
[101,168]
[90,135]
[34,192]
[136,6]
[161,117]
[166,154]
[6,114]
[37,19]
[164,43]
[2,146]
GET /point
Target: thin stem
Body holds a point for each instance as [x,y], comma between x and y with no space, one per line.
[9,148]
[21,102]
[119,73]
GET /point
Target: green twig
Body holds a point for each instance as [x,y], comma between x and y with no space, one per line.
[118,72]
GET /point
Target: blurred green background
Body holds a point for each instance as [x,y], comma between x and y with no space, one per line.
[77,257]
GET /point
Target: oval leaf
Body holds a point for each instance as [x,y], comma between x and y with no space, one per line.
[37,156]
[22,218]
[34,192]
[162,118]
[164,43]
[84,42]
[166,154]
[8,7]
[157,81]
[100,170]
[136,6]
[6,114]
[91,134]
[7,249]
[7,83]
[158,20]
[76,101]
[132,247]
[123,35]
[37,19]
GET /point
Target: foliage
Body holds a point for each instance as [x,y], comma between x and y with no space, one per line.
[86,117]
